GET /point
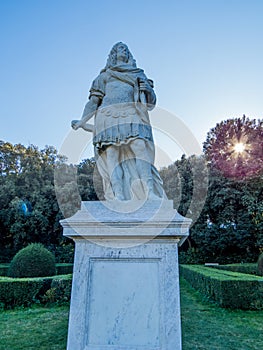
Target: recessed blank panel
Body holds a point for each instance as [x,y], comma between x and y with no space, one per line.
[124,306]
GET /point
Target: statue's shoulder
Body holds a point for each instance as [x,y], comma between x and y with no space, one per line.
[104,74]
[100,79]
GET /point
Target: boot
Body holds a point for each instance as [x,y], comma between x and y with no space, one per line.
[151,195]
[117,190]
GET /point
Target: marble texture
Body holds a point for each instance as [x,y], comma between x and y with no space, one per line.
[130,299]
[122,224]
[125,291]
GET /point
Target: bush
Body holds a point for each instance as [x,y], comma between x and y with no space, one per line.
[229,289]
[33,261]
[27,291]
[260,265]
[22,291]
[247,268]
[4,269]
[61,269]
[60,290]
[64,269]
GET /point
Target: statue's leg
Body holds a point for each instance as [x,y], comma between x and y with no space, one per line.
[143,165]
[115,172]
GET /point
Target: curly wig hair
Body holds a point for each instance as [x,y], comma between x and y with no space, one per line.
[112,58]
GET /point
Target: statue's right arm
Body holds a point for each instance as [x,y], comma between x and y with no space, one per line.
[89,110]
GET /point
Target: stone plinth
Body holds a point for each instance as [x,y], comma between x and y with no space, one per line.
[125,291]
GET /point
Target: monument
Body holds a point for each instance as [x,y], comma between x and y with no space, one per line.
[125,292]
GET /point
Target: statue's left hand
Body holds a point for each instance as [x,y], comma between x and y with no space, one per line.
[75,124]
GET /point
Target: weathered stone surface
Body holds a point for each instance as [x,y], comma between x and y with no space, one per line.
[125,292]
[120,98]
[114,222]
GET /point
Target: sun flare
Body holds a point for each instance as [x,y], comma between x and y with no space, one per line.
[239,147]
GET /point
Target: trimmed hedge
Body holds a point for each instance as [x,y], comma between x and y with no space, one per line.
[228,289]
[248,268]
[4,269]
[61,269]
[61,287]
[260,265]
[64,269]
[26,291]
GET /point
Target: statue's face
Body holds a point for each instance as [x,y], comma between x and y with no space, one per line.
[122,53]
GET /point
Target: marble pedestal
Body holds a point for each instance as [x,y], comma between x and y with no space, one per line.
[125,291]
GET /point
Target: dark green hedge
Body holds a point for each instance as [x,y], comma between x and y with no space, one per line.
[229,289]
[248,268]
[4,269]
[62,287]
[61,269]
[64,268]
[27,291]
[260,265]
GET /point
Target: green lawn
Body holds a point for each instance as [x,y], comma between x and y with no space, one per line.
[205,326]
[34,329]
[208,327]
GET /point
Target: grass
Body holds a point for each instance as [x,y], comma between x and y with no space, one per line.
[249,268]
[222,274]
[37,328]
[62,268]
[205,326]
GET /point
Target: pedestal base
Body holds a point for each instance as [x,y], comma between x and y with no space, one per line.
[124,298]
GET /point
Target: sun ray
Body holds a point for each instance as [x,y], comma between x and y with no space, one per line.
[239,147]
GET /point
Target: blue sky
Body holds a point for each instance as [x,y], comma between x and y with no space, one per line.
[205,57]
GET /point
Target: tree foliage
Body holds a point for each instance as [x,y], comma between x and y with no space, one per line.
[220,191]
[260,265]
[28,207]
[230,226]
[235,147]
[29,210]
[234,150]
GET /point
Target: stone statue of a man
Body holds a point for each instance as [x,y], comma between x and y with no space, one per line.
[120,98]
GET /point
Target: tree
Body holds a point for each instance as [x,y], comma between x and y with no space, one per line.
[186,182]
[229,226]
[225,231]
[235,147]
[253,200]
[89,181]
[30,203]
[28,206]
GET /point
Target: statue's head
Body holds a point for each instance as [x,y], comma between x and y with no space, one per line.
[120,53]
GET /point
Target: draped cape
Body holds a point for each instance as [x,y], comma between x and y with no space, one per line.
[119,124]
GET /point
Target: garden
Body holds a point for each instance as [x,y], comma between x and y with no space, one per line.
[221,263]
[221,305]
[205,326]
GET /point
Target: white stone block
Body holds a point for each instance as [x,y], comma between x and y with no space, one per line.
[125,292]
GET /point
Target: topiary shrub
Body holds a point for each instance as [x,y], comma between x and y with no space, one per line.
[260,265]
[33,261]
